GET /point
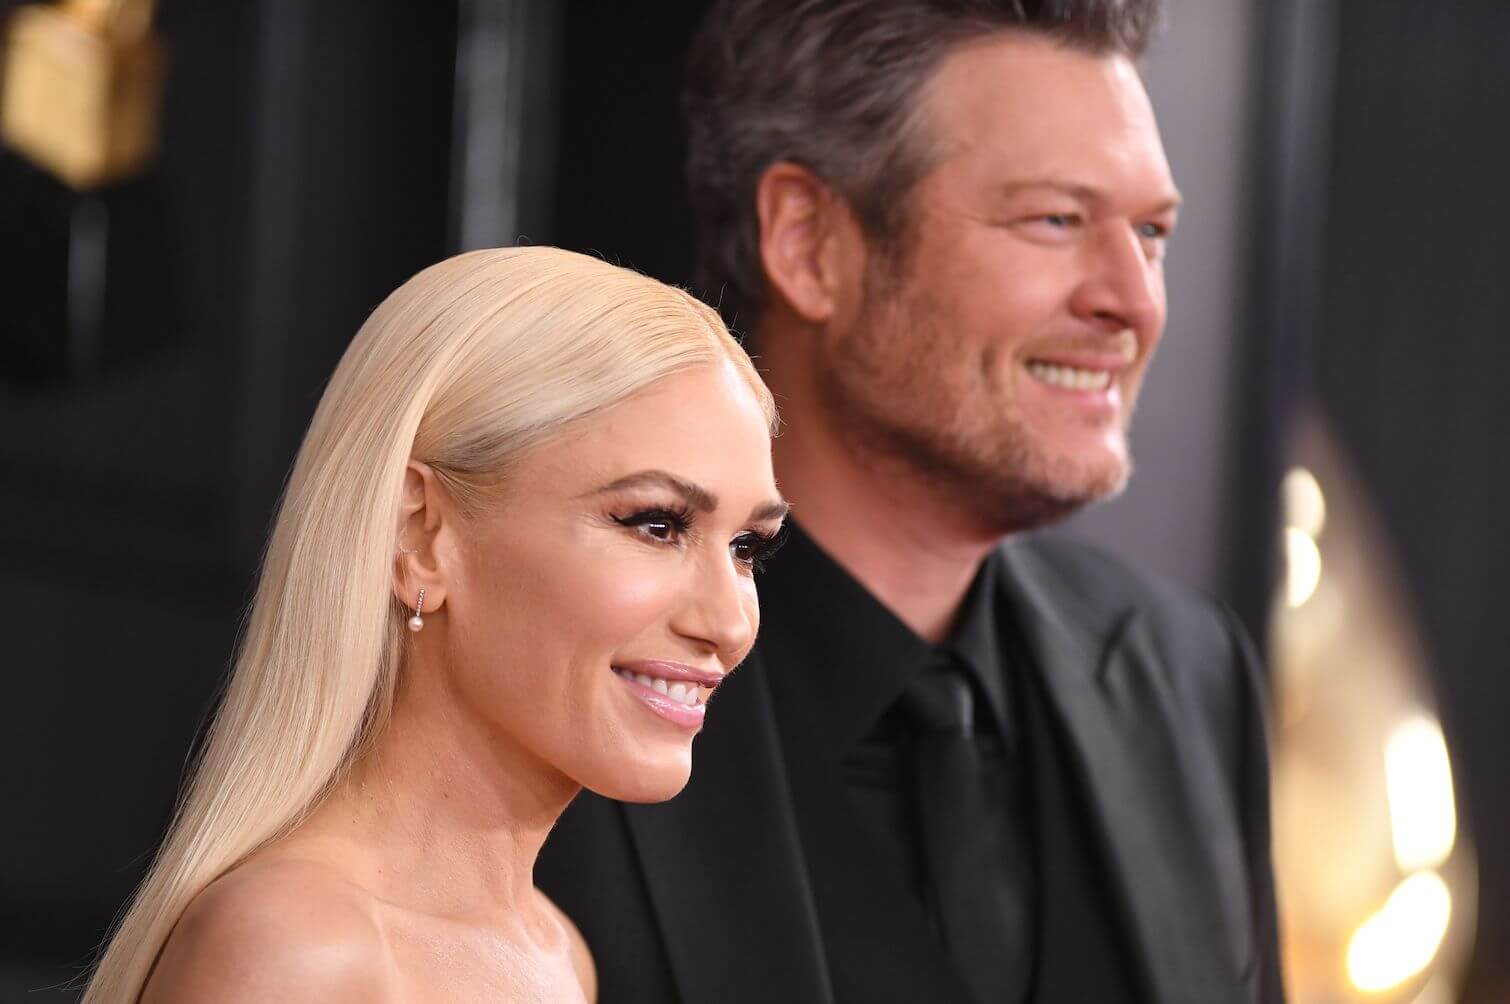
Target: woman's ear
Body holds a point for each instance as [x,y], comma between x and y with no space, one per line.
[422,558]
[807,236]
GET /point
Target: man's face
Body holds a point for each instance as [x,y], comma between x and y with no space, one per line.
[1003,352]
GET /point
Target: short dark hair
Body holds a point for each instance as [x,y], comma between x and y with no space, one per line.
[833,85]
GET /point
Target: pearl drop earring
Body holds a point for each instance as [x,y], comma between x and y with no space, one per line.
[416,622]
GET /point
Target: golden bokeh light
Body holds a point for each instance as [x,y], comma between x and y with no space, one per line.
[1400,940]
[1303,502]
[1418,779]
[1376,875]
[1302,566]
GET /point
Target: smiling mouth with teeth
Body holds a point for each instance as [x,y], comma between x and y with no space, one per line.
[1070,377]
[680,691]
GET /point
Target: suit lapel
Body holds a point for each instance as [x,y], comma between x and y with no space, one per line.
[724,865]
[1106,686]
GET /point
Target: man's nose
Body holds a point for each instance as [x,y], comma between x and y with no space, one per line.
[718,611]
[1122,288]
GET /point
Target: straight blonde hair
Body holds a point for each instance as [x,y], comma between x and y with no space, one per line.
[466,366]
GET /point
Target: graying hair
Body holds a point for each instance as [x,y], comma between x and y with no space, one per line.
[833,85]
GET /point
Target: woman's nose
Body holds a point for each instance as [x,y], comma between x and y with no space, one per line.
[719,610]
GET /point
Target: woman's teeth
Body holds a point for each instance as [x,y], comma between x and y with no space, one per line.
[689,694]
[1069,377]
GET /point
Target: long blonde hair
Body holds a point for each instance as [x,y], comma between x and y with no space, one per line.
[466,366]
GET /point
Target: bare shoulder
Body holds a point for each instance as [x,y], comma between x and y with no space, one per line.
[581,955]
[281,929]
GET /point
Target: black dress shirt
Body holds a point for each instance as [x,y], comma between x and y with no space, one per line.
[855,660]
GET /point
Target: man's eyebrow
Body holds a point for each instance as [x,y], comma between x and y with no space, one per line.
[1084,193]
[694,495]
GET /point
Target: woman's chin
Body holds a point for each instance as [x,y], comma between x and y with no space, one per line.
[644,781]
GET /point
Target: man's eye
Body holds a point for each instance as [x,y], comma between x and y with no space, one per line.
[1051,226]
[1153,231]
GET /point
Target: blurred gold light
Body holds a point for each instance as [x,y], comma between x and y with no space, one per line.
[1401,939]
[1304,504]
[1302,566]
[1376,877]
[1436,991]
[1418,779]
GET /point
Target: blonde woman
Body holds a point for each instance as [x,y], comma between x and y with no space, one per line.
[514,559]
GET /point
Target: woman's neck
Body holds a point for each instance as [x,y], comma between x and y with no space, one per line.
[448,818]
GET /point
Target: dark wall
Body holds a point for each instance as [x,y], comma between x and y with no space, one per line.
[1412,365]
[619,181]
[303,175]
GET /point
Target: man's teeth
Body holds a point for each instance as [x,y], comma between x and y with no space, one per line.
[1069,377]
[689,694]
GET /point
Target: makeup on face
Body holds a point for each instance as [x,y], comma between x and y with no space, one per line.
[676,691]
[619,589]
[672,523]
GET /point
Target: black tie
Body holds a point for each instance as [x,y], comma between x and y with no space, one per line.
[968,854]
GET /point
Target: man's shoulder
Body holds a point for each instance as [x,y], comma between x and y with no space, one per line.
[1102,593]
[1192,645]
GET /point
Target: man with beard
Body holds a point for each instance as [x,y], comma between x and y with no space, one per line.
[962,763]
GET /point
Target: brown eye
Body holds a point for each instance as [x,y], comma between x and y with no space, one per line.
[752,549]
[661,525]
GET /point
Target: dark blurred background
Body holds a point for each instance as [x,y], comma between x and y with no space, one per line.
[164,339]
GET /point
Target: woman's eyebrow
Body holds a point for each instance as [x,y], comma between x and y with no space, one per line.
[770,510]
[694,495]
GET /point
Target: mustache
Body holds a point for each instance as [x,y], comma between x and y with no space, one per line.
[1123,344]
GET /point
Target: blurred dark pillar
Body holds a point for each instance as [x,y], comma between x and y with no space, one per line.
[349,152]
[304,173]
[1296,51]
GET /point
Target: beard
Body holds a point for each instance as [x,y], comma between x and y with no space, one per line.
[912,399]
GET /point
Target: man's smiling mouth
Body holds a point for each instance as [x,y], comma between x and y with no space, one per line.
[1070,377]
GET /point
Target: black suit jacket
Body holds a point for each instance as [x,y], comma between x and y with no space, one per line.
[1150,764]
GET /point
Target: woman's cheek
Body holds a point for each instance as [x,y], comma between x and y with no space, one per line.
[633,595]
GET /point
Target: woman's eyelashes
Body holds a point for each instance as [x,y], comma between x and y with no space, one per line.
[754,548]
[672,525]
[668,525]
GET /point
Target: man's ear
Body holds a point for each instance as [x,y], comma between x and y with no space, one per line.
[809,240]
[422,555]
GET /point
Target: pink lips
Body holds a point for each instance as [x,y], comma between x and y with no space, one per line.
[673,671]
[688,716]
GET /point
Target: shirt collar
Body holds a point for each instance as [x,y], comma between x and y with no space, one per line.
[977,638]
[848,654]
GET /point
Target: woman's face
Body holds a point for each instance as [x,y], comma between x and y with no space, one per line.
[590,616]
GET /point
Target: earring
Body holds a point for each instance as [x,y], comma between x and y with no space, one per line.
[416,622]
